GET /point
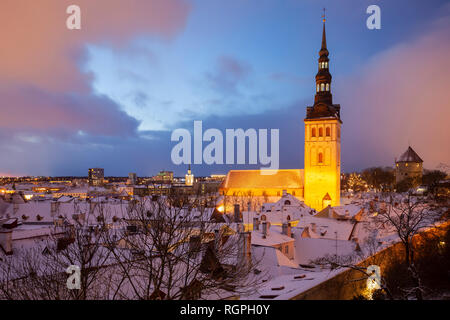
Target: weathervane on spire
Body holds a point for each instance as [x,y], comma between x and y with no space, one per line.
[323,16]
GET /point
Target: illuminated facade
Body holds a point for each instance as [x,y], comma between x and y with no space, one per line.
[189,177]
[96,176]
[318,185]
[323,140]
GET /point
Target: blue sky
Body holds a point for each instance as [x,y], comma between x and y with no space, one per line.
[239,63]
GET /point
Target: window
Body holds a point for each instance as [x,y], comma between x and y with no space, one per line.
[287,203]
[327,87]
[320,132]
[326,64]
[328,132]
[318,87]
[313,132]
[322,87]
[320,160]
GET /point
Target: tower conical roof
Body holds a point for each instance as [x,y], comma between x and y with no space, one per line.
[409,156]
[323,49]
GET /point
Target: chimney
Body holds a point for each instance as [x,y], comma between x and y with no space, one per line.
[15,208]
[237,213]
[245,253]
[194,244]
[265,229]
[91,207]
[217,240]
[286,229]
[255,223]
[6,241]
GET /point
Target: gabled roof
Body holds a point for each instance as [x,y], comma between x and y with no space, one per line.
[409,156]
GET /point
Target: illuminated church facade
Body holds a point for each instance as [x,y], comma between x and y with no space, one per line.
[318,184]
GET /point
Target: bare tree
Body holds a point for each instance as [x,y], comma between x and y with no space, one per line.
[39,272]
[402,215]
[173,251]
[407,215]
[359,261]
[161,248]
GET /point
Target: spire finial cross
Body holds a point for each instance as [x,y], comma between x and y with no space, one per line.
[324,16]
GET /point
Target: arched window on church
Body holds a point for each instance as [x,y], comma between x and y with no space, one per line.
[327,88]
[313,132]
[287,203]
[320,132]
[326,64]
[327,132]
[322,87]
[318,87]
[320,160]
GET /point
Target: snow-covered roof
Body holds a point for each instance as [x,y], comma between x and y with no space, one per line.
[274,237]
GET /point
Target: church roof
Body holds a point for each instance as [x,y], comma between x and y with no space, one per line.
[409,156]
[253,179]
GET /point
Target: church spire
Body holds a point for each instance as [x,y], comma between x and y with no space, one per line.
[323,49]
[323,99]
[323,77]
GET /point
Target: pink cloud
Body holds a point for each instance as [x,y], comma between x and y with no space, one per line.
[31,109]
[38,49]
[41,85]
[401,97]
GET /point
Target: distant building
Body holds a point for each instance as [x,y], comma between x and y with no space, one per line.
[132,178]
[164,176]
[96,176]
[189,177]
[409,166]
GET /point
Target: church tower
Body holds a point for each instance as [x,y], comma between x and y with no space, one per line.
[323,140]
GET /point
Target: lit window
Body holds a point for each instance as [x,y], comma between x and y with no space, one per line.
[320,160]
[318,88]
[328,132]
[320,132]
[313,132]
[322,86]
[328,87]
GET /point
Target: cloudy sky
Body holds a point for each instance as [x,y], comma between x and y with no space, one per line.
[109,95]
